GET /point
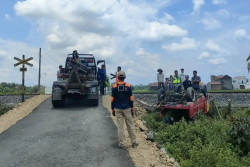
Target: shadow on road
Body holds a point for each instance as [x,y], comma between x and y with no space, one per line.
[76,103]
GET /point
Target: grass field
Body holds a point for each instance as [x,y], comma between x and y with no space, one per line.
[208,141]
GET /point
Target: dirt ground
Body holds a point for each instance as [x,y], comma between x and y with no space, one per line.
[20,111]
[146,154]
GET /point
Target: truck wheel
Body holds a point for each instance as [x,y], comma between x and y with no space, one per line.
[58,103]
[92,102]
[190,94]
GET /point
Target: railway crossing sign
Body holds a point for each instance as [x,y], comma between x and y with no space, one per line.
[23,61]
[23,69]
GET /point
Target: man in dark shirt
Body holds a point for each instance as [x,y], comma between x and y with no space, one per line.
[101,78]
[187,83]
[196,81]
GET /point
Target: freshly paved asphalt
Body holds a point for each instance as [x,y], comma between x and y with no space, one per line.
[76,135]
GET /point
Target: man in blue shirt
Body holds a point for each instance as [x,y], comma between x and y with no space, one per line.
[196,81]
[101,78]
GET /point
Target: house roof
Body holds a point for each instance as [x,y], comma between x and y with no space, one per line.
[153,84]
[215,83]
[222,76]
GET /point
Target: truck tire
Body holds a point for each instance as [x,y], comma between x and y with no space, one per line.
[58,103]
[190,94]
[92,102]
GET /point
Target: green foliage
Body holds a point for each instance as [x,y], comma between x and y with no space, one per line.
[140,87]
[144,91]
[240,134]
[204,142]
[13,88]
[229,91]
[5,108]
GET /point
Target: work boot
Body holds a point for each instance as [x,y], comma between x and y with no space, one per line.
[122,146]
[134,145]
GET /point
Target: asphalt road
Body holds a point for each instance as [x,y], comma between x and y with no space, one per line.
[76,135]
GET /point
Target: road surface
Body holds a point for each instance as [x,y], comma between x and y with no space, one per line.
[76,135]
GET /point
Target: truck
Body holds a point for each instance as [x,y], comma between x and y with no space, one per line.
[77,80]
[178,103]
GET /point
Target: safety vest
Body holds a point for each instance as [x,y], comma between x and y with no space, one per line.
[176,80]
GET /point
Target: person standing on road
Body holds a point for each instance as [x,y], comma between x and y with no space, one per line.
[122,107]
[160,79]
[118,70]
[102,78]
[182,75]
[196,81]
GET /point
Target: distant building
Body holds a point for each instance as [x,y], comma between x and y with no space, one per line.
[153,86]
[241,82]
[221,82]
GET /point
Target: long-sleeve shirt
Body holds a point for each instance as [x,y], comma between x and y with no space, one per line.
[101,74]
[160,77]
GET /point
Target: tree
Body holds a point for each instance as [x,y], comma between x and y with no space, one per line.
[248,63]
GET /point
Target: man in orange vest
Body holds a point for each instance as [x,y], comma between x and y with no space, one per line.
[118,70]
[122,107]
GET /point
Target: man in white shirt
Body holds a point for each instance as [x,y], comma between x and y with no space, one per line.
[182,75]
[160,79]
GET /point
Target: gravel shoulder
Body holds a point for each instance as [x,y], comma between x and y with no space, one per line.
[146,154]
[20,111]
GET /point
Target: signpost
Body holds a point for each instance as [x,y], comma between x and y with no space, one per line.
[23,69]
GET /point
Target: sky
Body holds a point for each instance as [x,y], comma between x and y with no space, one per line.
[210,36]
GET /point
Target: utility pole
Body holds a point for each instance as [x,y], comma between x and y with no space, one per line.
[39,73]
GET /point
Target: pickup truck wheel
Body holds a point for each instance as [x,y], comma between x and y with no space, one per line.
[190,94]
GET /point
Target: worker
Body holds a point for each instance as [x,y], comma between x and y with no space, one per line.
[122,108]
[170,82]
[59,74]
[187,83]
[101,76]
[160,79]
[182,75]
[176,79]
[75,56]
[118,70]
[196,81]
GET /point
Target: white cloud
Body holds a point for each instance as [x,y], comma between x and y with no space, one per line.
[218,2]
[53,38]
[224,13]
[3,53]
[203,55]
[151,60]
[211,45]
[167,18]
[156,31]
[185,44]
[217,61]
[241,34]
[197,5]
[210,23]
[7,16]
